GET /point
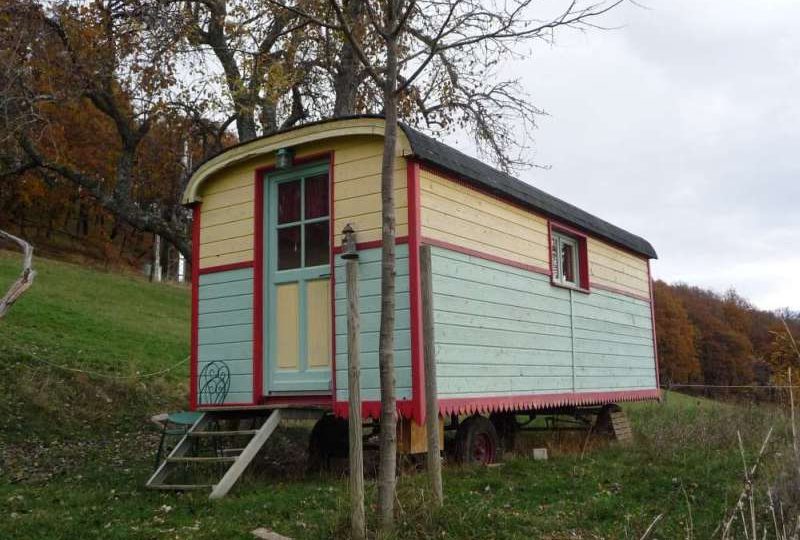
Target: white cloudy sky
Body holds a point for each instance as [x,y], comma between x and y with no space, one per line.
[682,126]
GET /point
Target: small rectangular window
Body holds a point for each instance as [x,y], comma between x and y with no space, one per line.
[566,260]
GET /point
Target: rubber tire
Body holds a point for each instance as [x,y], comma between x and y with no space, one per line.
[505,424]
[329,439]
[470,431]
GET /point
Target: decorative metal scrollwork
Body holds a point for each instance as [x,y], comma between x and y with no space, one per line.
[215,382]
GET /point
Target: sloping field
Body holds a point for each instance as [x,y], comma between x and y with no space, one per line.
[76,447]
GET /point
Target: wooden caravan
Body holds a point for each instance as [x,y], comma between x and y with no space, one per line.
[537,304]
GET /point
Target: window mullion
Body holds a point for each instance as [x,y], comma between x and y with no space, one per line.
[302,223]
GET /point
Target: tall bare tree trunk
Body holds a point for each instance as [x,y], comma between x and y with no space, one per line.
[388,433]
[347,79]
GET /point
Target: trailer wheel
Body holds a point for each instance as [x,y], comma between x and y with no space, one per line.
[477,442]
[329,439]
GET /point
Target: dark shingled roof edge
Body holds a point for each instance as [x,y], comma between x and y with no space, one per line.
[429,150]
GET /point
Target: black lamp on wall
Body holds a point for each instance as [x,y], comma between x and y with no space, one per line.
[284,158]
[349,249]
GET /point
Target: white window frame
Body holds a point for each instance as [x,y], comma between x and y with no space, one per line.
[560,239]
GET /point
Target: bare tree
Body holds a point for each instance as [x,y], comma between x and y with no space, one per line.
[97,57]
[263,51]
[435,64]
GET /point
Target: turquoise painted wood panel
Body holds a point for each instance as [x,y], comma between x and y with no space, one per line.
[226,318]
[501,330]
[225,329]
[372,304]
[369,272]
[498,355]
[226,277]
[614,342]
[233,303]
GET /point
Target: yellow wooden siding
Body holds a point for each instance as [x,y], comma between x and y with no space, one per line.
[357,189]
[454,213]
[227,223]
[227,226]
[612,267]
[318,318]
[286,307]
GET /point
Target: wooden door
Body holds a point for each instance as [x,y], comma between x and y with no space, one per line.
[299,281]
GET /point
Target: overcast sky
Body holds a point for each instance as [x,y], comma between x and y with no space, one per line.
[682,126]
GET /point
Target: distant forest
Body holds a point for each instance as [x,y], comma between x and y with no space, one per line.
[712,339]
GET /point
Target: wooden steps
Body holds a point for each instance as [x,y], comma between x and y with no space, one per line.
[221,433]
[186,451]
[201,459]
[181,487]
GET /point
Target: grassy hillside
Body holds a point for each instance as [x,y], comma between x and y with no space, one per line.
[107,332]
[76,448]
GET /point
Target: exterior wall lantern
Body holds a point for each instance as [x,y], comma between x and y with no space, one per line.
[284,158]
[349,249]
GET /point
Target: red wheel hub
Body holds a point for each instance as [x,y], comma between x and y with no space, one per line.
[483,449]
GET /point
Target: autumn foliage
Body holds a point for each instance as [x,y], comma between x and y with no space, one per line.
[721,340]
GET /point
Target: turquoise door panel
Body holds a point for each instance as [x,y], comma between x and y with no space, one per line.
[298,282]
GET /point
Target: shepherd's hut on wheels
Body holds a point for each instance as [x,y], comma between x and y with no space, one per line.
[538,306]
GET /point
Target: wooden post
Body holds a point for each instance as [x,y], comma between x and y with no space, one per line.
[357,518]
[431,395]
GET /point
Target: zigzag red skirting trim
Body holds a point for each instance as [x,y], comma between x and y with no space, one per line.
[541,401]
[486,405]
[372,409]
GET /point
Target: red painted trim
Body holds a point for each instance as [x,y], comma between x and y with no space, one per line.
[226,267]
[234,405]
[195,306]
[653,319]
[331,222]
[372,244]
[415,291]
[258,289]
[583,256]
[620,291]
[372,409]
[491,404]
[484,255]
[509,200]
[323,400]
[550,251]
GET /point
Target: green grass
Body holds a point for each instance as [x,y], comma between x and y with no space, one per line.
[76,448]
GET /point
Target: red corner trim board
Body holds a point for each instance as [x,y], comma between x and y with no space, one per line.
[415,290]
[195,306]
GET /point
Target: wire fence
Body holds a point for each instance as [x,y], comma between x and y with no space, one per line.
[758,393]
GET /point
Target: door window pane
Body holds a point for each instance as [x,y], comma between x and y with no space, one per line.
[289,202]
[317,239]
[289,248]
[316,196]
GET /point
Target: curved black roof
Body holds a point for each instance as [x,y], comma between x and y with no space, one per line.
[429,150]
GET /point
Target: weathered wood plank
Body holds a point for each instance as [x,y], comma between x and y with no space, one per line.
[243,460]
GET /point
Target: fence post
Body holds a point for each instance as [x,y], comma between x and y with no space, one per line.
[431,396]
[357,518]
